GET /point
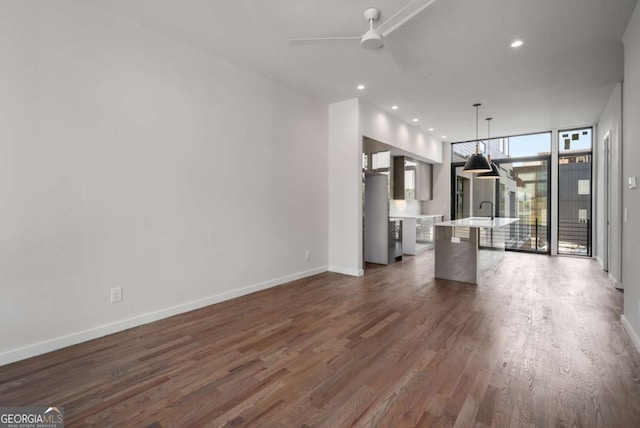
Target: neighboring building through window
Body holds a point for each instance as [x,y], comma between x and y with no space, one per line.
[574,192]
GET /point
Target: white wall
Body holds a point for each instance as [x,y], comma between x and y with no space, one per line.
[129,159]
[345,189]
[401,207]
[441,202]
[630,162]
[377,124]
[349,122]
[610,123]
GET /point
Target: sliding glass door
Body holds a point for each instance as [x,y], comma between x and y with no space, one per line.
[523,193]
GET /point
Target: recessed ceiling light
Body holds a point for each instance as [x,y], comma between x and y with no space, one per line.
[415,119]
[517,43]
[444,136]
[432,129]
[394,107]
[360,87]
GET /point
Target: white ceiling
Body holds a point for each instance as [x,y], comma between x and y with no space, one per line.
[451,55]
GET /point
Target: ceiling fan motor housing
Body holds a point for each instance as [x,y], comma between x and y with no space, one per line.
[372,13]
[371,39]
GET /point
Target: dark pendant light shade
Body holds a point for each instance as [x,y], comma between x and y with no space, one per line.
[494,173]
[477,162]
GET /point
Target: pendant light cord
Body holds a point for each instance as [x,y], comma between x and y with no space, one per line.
[489,119]
[477,141]
[477,123]
[477,162]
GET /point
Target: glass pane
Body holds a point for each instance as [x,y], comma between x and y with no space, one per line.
[578,140]
[483,195]
[523,194]
[574,192]
[462,197]
[505,148]
[529,145]
[470,194]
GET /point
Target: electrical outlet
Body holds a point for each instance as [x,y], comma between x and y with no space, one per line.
[116,294]
[307,255]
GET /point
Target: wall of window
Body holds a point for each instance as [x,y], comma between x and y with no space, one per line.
[523,190]
[519,146]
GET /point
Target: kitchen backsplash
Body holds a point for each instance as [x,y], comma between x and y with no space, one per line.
[401,208]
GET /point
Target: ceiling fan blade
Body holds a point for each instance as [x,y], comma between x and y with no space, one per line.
[320,39]
[403,15]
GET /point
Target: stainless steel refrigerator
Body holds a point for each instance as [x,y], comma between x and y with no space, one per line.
[382,237]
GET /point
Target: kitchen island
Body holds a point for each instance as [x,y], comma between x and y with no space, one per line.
[467,247]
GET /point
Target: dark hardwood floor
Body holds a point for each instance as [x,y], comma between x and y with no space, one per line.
[537,343]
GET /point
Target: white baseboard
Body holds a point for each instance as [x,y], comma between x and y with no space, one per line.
[615,282]
[600,262]
[346,271]
[630,332]
[104,330]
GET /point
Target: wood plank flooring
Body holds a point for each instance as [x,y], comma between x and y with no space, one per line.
[538,343]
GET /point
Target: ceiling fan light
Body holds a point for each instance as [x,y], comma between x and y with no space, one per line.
[371,40]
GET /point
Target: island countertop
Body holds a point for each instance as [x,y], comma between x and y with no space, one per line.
[484,222]
[415,216]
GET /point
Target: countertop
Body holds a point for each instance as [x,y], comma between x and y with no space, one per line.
[416,216]
[485,222]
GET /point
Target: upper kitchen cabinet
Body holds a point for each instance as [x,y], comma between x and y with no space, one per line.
[376,162]
[412,179]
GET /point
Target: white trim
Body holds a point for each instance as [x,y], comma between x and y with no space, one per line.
[607,209]
[104,330]
[346,271]
[615,282]
[553,205]
[630,332]
[599,260]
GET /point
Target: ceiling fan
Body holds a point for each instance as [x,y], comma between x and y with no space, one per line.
[373,38]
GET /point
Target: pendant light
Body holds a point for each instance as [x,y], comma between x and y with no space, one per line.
[477,162]
[494,173]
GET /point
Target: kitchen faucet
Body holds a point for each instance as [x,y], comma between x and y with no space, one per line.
[488,202]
